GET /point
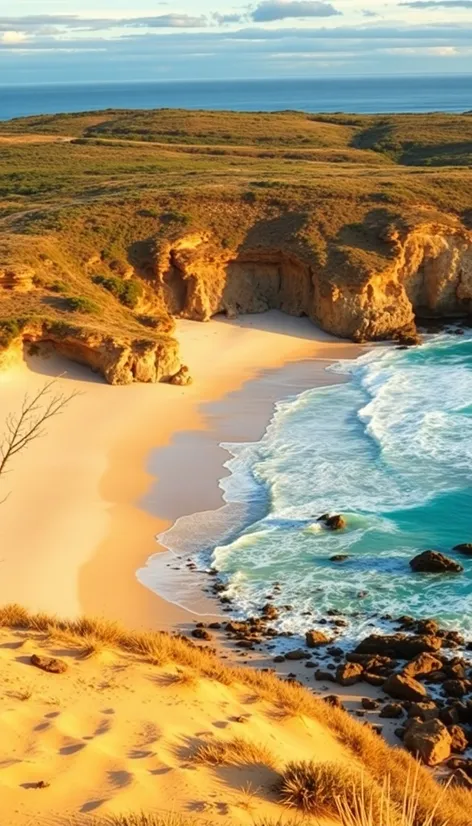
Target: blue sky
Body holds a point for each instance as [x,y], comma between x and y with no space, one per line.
[106,40]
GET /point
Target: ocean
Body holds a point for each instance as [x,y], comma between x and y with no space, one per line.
[401,93]
[390,449]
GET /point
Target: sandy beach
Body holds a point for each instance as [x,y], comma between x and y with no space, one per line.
[120,464]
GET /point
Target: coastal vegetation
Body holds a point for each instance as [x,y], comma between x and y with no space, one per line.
[114,223]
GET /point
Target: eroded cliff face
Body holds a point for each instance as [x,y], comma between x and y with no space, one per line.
[119,362]
[427,274]
[421,272]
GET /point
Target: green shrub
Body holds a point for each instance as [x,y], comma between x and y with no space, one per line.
[10,329]
[175,217]
[81,304]
[58,287]
[127,292]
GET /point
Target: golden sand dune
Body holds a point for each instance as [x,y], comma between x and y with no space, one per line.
[115,734]
[150,723]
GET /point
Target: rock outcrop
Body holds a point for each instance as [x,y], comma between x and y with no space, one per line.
[118,361]
[427,273]
[348,288]
[18,279]
[434,562]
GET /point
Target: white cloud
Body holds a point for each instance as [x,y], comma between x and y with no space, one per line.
[12,37]
[270,10]
[438,51]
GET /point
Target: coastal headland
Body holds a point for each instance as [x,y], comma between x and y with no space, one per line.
[296,239]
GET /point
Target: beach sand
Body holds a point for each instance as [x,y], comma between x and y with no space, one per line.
[120,464]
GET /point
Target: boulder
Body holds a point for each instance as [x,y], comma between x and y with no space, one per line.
[403,646]
[49,664]
[314,639]
[430,740]
[335,523]
[433,562]
[373,679]
[456,688]
[403,687]
[422,664]
[201,634]
[392,711]
[296,654]
[426,626]
[270,612]
[424,711]
[339,558]
[449,716]
[369,703]
[323,675]
[465,549]
[349,673]
[460,742]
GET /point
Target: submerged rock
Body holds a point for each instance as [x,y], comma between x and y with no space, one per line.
[465,548]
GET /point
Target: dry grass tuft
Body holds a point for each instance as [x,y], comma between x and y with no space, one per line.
[236,752]
[247,801]
[318,788]
[23,695]
[144,819]
[15,616]
[357,809]
[184,679]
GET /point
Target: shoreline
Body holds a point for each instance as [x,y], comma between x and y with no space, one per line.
[102,478]
[235,406]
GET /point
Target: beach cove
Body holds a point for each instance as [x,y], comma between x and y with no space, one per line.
[105,480]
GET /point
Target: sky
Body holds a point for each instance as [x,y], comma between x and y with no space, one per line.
[47,41]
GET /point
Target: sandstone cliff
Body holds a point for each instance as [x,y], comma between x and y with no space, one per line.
[118,361]
[372,285]
[427,273]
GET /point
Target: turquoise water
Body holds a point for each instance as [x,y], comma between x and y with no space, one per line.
[391,449]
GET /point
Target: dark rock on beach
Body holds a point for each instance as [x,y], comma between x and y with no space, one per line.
[314,639]
[201,634]
[424,710]
[422,665]
[429,740]
[403,687]
[434,562]
[349,673]
[460,741]
[392,711]
[401,646]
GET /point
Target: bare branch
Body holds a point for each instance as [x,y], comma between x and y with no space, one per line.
[29,424]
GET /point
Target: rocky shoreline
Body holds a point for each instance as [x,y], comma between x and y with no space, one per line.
[412,684]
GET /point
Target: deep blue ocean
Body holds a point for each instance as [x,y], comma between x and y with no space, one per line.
[446,93]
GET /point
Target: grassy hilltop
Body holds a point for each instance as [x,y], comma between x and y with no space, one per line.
[88,200]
